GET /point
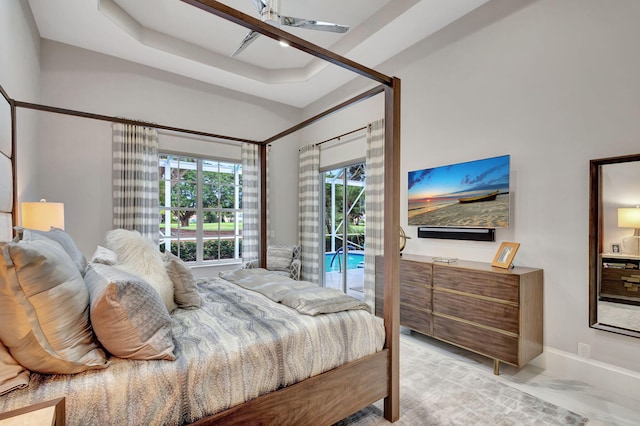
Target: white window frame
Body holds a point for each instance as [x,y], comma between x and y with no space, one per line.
[200,210]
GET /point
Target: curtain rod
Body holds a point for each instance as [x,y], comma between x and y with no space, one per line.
[342,135]
[75,113]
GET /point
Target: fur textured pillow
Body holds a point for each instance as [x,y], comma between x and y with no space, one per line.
[139,256]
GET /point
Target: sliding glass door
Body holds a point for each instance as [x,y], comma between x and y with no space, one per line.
[344,221]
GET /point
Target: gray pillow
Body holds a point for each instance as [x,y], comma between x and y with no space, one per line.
[61,237]
[44,309]
[185,289]
[128,315]
[279,257]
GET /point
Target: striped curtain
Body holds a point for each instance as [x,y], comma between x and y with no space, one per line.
[309,210]
[250,208]
[135,179]
[374,207]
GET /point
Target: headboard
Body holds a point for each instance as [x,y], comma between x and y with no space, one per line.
[6,169]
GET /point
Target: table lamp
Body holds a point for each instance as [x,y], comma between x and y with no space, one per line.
[629,217]
[42,215]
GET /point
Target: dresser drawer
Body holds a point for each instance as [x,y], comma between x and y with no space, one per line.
[415,285]
[416,319]
[487,342]
[620,282]
[489,313]
[488,284]
[413,295]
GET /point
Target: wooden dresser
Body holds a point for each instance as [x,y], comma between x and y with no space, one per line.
[492,311]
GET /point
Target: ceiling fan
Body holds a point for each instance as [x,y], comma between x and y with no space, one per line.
[270,13]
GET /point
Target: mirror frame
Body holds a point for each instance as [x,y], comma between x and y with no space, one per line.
[595,238]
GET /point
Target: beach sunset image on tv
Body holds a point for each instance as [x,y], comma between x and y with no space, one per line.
[474,194]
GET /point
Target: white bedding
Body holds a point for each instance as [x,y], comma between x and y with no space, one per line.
[237,346]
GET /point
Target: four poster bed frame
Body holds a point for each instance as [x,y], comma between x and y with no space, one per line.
[338,393]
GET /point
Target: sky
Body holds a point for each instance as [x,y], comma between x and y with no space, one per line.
[459,179]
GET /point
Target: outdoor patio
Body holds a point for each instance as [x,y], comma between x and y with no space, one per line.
[355,282]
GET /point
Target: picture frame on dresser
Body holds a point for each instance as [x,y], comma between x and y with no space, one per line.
[505,254]
[616,248]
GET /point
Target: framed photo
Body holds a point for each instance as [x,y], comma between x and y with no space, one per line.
[505,255]
[616,248]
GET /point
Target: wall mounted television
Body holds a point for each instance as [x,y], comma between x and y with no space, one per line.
[474,194]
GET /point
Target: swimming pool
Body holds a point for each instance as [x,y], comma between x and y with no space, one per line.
[354,261]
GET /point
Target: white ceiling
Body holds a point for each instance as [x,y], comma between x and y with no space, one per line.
[174,36]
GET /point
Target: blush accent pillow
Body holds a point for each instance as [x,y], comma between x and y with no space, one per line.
[61,237]
[185,289]
[12,375]
[44,309]
[139,256]
[127,315]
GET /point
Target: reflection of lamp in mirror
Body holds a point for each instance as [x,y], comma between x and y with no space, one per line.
[42,215]
[630,218]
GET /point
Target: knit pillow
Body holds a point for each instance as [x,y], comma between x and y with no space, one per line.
[127,315]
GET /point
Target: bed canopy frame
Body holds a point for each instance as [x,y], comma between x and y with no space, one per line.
[319,399]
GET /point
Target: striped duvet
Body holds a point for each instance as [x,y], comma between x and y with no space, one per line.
[237,346]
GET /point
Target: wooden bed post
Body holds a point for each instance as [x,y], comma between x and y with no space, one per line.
[392,245]
[262,155]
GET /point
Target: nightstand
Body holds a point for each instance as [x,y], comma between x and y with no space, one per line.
[49,413]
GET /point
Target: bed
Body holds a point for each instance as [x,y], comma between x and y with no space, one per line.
[238,345]
[317,397]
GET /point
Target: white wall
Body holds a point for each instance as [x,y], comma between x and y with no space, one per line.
[80,149]
[20,78]
[554,84]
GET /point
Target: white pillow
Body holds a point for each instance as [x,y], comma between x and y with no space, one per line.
[105,256]
[139,256]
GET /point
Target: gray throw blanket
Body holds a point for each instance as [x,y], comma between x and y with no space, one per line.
[303,296]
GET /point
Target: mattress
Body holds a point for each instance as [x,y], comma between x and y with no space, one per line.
[237,346]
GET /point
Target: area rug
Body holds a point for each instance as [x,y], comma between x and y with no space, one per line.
[438,390]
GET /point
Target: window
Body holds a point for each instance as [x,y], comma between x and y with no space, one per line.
[200,208]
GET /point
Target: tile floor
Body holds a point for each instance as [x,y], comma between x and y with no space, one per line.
[601,408]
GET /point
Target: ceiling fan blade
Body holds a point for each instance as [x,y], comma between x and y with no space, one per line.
[312,24]
[249,38]
[260,4]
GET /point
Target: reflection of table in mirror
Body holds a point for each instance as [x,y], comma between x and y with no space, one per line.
[620,278]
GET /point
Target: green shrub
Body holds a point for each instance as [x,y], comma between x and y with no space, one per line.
[210,249]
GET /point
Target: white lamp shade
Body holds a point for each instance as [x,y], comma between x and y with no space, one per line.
[629,217]
[42,215]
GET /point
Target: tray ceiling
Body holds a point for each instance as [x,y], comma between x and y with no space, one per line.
[176,37]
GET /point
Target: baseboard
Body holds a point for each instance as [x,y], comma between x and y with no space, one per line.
[600,375]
